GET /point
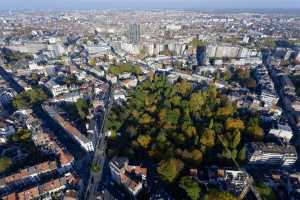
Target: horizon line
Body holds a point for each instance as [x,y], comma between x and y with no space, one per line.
[151,9]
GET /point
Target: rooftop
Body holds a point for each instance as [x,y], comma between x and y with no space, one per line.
[272,148]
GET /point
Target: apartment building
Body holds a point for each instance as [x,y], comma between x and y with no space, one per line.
[132,177]
[84,142]
[271,154]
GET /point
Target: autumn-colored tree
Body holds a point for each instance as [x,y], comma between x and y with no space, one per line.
[225,111]
[190,131]
[208,138]
[175,126]
[197,157]
[170,169]
[144,141]
[234,124]
[196,101]
[183,87]
[145,119]
[22,135]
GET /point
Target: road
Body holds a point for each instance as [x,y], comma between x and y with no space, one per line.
[99,155]
[250,181]
[10,80]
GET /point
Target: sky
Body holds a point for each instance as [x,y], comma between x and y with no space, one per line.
[147,4]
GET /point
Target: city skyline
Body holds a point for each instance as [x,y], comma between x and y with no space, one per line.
[150,99]
[148,4]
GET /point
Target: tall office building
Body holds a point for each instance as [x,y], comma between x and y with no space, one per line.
[201,55]
[134,33]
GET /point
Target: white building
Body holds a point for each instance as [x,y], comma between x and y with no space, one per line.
[56,89]
[235,181]
[6,130]
[271,154]
[269,99]
[173,27]
[35,67]
[283,131]
[131,48]
[56,50]
[98,50]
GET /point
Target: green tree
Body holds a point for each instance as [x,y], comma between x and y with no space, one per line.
[22,135]
[82,107]
[242,155]
[253,129]
[176,100]
[227,75]
[218,195]
[191,187]
[92,62]
[197,43]
[5,163]
[169,116]
[175,126]
[95,168]
[265,191]
[29,98]
[124,68]
[269,42]
[170,169]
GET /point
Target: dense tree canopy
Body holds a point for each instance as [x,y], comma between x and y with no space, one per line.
[191,187]
[124,68]
[173,123]
[254,131]
[218,195]
[29,98]
[265,191]
[12,57]
[245,77]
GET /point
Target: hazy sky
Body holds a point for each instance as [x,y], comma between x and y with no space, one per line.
[144,4]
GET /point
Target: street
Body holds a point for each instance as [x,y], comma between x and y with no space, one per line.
[99,154]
